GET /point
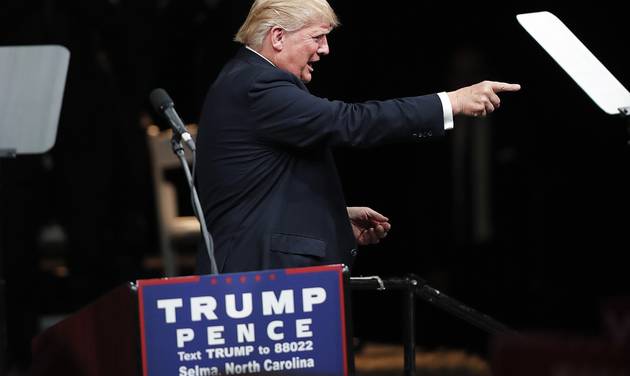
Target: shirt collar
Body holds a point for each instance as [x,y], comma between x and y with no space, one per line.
[259,54]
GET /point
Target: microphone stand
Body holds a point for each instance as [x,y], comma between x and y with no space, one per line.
[178,149]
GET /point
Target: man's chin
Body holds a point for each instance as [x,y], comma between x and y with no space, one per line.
[306,77]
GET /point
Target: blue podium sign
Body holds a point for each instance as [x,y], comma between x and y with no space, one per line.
[285,322]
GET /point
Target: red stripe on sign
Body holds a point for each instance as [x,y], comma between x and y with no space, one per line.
[314,269]
[342,304]
[168,281]
[142,332]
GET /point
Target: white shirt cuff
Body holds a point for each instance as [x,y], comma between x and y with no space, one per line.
[447,110]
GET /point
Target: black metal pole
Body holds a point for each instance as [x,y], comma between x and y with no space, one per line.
[3,330]
[460,310]
[409,299]
[3,309]
[347,289]
[415,287]
[377,283]
[625,112]
[408,288]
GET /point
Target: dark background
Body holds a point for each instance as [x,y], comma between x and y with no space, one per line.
[523,215]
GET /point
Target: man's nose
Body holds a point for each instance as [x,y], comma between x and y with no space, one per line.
[323,47]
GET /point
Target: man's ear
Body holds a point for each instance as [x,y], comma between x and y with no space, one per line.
[277,37]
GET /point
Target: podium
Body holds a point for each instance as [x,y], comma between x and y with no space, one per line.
[100,339]
[285,321]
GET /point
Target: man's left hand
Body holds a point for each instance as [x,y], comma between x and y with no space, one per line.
[368,226]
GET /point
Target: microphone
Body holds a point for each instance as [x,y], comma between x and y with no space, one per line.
[164,105]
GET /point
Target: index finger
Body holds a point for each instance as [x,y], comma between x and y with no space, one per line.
[504,86]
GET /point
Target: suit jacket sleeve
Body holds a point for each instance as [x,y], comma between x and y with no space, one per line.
[286,113]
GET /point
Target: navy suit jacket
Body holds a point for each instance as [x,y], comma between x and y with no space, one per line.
[266,176]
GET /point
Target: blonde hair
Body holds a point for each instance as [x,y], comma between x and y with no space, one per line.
[290,15]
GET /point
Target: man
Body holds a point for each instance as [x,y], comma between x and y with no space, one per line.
[266,175]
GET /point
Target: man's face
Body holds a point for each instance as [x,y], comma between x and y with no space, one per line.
[302,48]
